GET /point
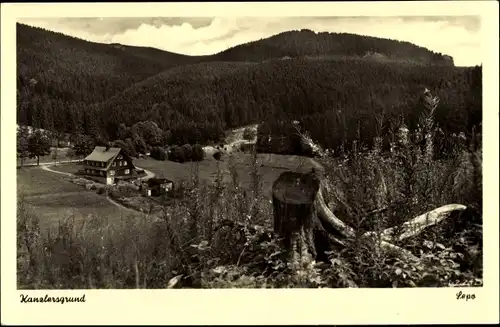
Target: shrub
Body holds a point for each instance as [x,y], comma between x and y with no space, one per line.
[176,154]
[127,147]
[139,144]
[249,134]
[186,152]
[158,153]
[217,155]
[131,147]
[198,153]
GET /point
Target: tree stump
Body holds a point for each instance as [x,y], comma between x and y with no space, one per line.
[294,213]
[302,218]
[309,228]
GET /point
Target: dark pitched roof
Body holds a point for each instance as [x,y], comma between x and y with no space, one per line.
[157,181]
[103,154]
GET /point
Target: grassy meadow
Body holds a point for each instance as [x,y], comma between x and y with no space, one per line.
[269,167]
[53,198]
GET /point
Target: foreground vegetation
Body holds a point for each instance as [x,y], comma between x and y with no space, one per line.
[220,235]
[218,232]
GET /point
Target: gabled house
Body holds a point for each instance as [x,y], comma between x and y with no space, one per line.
[107,165]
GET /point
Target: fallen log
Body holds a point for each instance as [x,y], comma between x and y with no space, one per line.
[309,228]
[416,225]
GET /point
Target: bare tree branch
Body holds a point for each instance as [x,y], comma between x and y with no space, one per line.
[418,224]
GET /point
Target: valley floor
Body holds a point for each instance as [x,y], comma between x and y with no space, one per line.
[53,198]
[49,192]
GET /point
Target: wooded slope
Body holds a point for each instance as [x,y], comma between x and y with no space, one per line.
[330,82]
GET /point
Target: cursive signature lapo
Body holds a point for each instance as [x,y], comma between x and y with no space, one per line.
[466,297]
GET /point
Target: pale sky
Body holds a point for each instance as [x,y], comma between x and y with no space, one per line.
[457,36]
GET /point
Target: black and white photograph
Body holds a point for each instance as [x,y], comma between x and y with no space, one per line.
[249,152]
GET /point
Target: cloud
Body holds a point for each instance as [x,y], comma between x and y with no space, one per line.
[455,36]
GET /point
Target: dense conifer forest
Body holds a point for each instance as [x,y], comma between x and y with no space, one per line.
[328,82]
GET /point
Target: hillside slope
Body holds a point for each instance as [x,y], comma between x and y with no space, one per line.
[330,81]
[306,43]
[198,102]
[59,76]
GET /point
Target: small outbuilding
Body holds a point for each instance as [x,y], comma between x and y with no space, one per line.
[157,186]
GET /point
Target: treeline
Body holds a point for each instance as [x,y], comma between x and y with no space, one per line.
[31,145]
[308,43]
[337,101]
[187,101]
[59,77]
[141,138]
[70,85]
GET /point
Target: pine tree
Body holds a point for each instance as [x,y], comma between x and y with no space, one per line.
[38,145]
[22,143]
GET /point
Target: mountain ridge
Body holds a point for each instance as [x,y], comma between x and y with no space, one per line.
[221,55]
[297,43]
[71,85]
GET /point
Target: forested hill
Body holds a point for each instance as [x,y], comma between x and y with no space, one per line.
[57,72]
[336,99]
[306,43]
[67,84]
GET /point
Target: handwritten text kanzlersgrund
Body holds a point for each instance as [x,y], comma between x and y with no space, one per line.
[51,299]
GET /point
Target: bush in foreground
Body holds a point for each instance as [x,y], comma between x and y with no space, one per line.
[214,235]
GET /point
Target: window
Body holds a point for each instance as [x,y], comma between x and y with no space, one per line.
[127,171]
[102,164]
[124,163]
[111,173]
[114,164]
[102,173]
[120,163]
